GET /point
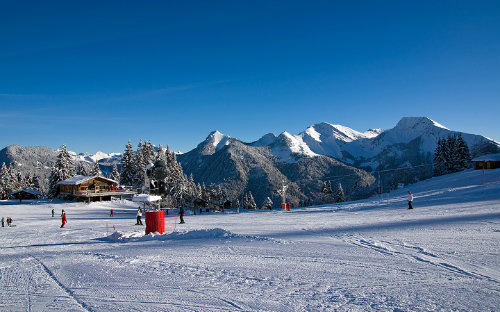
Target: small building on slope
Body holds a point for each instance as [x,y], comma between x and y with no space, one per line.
[90,188]
[26,194]
[490,161]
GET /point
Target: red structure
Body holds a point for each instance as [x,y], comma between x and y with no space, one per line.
[155,222]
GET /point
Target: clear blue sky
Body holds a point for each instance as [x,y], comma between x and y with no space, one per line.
[94,74]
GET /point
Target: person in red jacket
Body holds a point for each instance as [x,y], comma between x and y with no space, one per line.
[63,219]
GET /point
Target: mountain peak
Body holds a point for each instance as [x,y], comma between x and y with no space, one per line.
[418,123]
[265,140]
[214,142]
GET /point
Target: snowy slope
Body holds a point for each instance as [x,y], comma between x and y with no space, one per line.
[370,255]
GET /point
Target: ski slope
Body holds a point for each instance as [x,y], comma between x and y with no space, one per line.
[368,255]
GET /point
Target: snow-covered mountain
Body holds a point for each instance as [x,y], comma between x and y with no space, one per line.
[92,158]
[322,152]
[417,135]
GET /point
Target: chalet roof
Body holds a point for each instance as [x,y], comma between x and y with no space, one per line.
[79,179]
[489,157]
[30,191]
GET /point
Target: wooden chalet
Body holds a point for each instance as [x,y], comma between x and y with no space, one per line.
[90,188]
[490,161]
[26,194]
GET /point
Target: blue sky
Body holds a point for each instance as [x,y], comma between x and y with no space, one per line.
[94,74]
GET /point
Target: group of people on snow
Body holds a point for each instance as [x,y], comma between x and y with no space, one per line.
[9,221]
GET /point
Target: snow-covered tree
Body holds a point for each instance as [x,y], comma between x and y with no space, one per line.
[129,171]
[62,170]
[115,175]
[268,203]
[5,182]
[160,154]
[327,195]
[96,171]
[339,194]
[250,201]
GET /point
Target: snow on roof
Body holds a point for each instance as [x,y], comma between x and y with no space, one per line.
[79,179]
[31,191]
[489,157]
[145,198]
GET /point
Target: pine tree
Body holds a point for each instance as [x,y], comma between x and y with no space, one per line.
[96,171]
[36,183]
[82,169]
[160,154]
[128,172]
[140,164]
[339,194]
[62,170]
[439,161]
[326,193]
[268,203]
[451,155]
[251,201]
[148,153]
[4,182]
[115,175]
[464,158]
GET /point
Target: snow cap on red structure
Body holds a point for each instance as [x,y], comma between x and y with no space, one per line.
[145,198]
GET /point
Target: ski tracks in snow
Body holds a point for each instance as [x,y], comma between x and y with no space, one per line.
[26,284]
[415,253]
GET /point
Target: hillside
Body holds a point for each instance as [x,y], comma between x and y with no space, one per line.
[367,255]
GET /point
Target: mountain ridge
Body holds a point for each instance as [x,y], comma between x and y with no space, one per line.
[304,161]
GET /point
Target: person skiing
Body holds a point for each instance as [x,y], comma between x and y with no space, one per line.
[410,200]
[3,224]
[9,221]
[63,219]
[52,212]
[139,215]
[181,215]
[111,213]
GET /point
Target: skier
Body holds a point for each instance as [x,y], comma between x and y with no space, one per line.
[181,215]
[139,215]
[9,221]
[63,219]
[3,225]
[410,200]
[111,213]
[52,212]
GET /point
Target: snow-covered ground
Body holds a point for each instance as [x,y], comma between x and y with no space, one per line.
[368,255]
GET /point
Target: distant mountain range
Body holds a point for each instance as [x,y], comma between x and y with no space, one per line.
[323,152]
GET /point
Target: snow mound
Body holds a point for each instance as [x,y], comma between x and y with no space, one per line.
[216,233]
[203,234]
